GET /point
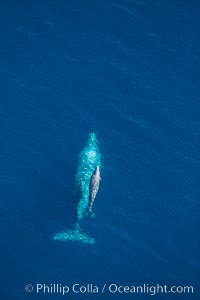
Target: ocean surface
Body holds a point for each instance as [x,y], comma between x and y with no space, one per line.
[129,71]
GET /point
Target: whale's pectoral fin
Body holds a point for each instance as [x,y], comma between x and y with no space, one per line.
[91,214]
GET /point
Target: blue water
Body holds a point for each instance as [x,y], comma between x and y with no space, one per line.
[129,71]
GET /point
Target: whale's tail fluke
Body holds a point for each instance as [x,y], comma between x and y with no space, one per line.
[74,235]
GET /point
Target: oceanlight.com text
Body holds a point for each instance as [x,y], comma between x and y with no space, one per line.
[112,288]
